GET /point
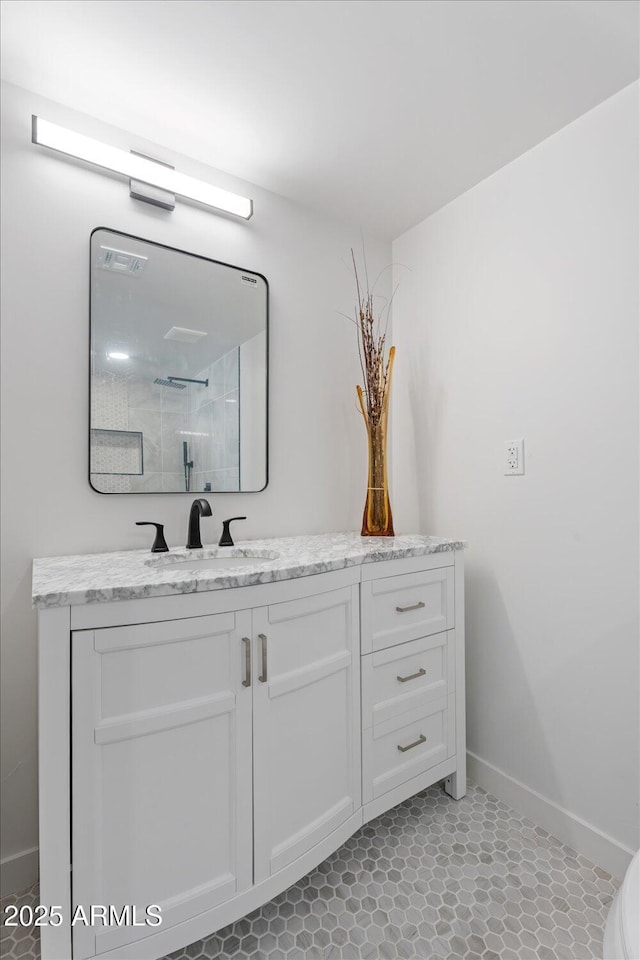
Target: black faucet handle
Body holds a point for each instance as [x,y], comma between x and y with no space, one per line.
[159,544]
[226,539]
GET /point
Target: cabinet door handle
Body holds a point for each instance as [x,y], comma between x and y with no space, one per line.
[412,676]
[414,606]
[263,639]
[416,743]
[247,662]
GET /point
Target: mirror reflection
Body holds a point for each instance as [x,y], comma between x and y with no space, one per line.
[178,371]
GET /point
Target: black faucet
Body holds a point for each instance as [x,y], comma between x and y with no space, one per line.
[199,508]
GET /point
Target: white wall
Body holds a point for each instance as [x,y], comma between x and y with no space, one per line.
[317,470]
[518,317]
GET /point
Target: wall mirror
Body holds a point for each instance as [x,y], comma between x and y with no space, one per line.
[179,351]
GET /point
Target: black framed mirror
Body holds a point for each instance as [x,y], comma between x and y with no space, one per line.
[178,370]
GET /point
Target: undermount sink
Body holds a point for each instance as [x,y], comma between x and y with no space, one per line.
[211,561]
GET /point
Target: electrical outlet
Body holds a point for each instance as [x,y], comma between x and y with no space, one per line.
[513,458]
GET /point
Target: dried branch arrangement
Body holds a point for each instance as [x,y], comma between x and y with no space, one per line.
[376,369]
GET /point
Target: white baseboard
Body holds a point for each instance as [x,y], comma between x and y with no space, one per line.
[18,872]
[581,836]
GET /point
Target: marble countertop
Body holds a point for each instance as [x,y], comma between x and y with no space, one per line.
[136,574]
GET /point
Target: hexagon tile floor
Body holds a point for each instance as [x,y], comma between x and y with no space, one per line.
[431,878]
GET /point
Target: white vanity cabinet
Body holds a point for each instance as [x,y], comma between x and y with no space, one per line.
[202,752]
[412,679]
[306,739]
[161,758]
[209,753]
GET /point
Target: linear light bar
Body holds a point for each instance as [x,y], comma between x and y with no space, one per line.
[137,168]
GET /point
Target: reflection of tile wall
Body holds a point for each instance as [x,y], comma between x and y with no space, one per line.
[214,443]
[110,402]
[159,413]
[162,414]
[110,411]
[116,451]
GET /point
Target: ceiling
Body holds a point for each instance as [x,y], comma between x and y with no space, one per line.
[133,313]
[375,111]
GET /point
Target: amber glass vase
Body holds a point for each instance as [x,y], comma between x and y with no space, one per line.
[376,519]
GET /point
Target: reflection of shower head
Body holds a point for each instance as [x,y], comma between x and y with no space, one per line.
[204,383]
[170,383]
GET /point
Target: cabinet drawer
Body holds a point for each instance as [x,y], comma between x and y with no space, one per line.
[398,609]
[402,678]
[404,747]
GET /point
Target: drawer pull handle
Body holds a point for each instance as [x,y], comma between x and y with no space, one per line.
[247,662]
[412,676]
[414,606]
[263,676]
[416,743]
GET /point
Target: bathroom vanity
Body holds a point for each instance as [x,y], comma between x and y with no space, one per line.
[214,724]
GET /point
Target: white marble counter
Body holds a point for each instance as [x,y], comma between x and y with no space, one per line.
[135,574]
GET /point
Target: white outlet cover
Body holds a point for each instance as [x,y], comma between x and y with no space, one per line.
[513,458]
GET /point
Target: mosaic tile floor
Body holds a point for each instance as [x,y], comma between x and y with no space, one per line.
[467,880]
[20,941]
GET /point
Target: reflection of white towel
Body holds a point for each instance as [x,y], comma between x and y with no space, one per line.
[622,931]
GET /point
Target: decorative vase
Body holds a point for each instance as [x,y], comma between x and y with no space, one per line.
[377,520]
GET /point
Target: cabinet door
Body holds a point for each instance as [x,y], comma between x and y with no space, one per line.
[306,724]
[161,760]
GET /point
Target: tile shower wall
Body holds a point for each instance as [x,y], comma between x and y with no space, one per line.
[206,417]
[109,411]
[161,414]
[214,418]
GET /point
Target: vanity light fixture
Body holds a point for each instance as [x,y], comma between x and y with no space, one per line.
[117,355]
[137,168]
